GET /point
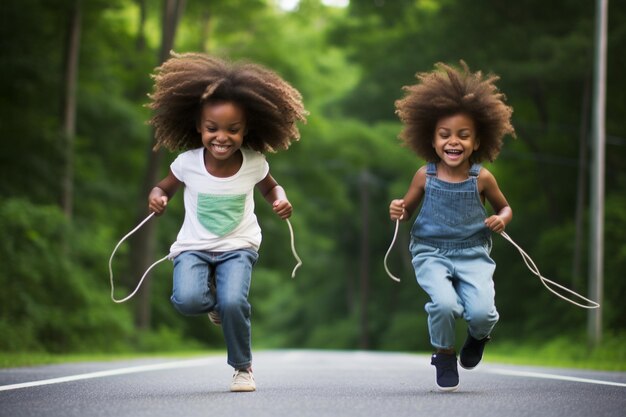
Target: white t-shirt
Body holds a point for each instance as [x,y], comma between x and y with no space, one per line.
[219,212]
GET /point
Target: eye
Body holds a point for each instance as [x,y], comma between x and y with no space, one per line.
[211,129]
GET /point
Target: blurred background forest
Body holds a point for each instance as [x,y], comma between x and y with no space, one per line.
[77,164]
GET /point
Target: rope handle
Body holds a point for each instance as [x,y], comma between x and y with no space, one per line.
[530,264]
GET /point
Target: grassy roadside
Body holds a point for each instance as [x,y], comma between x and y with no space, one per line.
[559,352]
[562,352]
[15,360]
[605,364]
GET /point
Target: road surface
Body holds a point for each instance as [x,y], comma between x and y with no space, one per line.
[298,383]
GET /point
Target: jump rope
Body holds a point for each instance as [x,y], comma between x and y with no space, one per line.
[530,264]
[119,301]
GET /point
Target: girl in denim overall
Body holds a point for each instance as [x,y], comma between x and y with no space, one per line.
[454,119]
[223,116]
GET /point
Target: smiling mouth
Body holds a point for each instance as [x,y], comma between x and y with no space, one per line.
[453,152]
[220,147]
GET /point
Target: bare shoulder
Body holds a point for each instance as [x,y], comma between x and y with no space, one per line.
[416,190]
[487,182]
[420,176]
[486,177]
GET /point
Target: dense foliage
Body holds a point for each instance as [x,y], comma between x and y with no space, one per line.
[350,65]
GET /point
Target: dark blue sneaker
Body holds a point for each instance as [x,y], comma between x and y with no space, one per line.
[447,372]
[472,351]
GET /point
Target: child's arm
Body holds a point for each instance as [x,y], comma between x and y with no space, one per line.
[403,208]
[487,182]
[162,192]
[276,196]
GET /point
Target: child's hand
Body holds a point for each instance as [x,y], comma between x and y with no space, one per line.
[396,210]
[282,208]
[157,203]
[495,223]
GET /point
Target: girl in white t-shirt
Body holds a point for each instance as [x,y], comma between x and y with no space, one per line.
[223,115]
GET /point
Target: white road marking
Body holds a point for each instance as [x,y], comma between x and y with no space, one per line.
[553,376]
[297,356]
[112,372]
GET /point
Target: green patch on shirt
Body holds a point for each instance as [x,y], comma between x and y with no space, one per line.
[220,214]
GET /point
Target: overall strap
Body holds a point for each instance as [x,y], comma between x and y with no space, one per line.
[431,169]
[474,170]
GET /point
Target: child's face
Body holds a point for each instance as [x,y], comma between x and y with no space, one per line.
[455,139]
[222,126]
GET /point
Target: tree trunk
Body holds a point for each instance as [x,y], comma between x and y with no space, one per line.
[581,184]
[143,249]
[364,184]
[141,35]
[69,107]
[205,30]
[542,173]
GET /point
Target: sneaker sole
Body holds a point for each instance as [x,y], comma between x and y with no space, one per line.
[242,389]
[468,368]
[448,389]
[215,318]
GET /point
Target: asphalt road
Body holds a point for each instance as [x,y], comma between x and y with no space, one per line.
[306,383]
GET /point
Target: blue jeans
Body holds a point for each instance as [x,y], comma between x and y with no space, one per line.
[459,283]
[192,295]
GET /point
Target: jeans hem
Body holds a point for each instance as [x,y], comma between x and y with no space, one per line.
[246,365]
[443,347]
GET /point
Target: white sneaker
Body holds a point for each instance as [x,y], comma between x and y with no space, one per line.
[243,381]
[214,316]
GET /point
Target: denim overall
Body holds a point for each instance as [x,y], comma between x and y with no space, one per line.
[450,247]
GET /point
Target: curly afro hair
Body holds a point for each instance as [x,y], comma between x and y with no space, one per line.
[446,91]
[186,81]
